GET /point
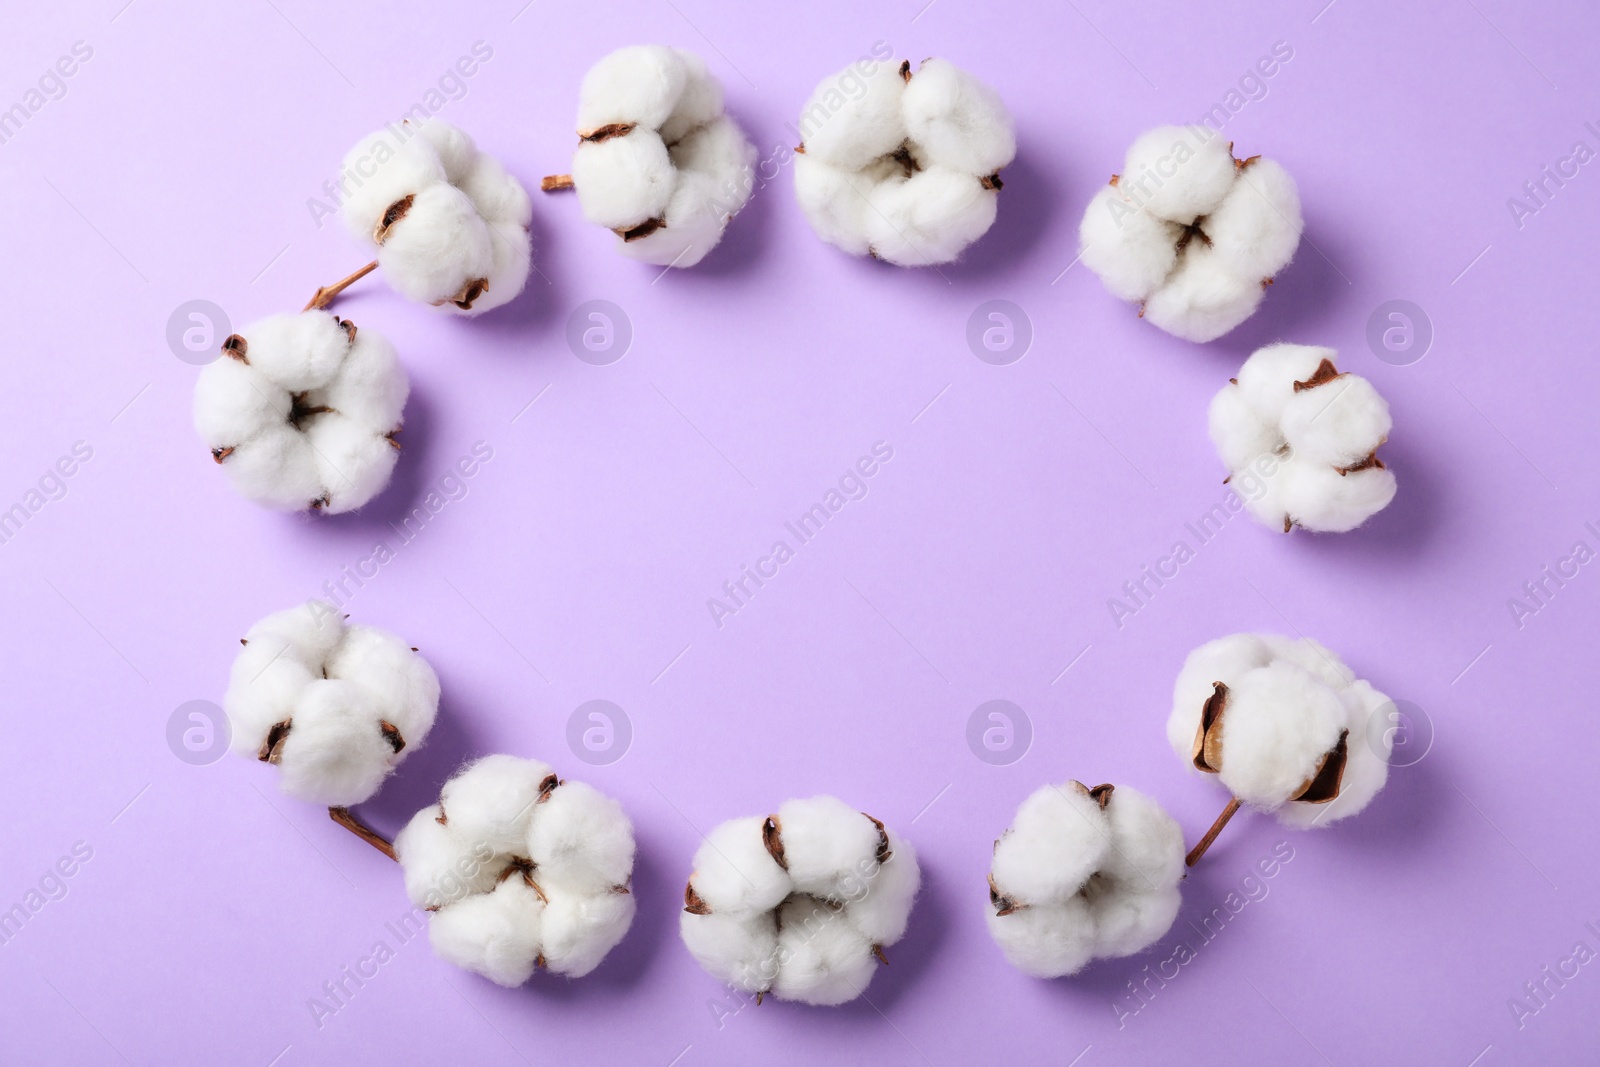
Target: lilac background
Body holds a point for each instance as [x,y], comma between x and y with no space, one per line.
[979,566]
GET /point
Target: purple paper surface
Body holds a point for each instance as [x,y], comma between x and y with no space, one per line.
[206,914]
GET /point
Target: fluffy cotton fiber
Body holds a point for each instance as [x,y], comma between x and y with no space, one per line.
[903,167]
[302,410]
[521,869]
[448,224]
[1300,440]
[800,904]
[335,707]
[1083,874]
[658,162]
[1190,233]
[1283,724]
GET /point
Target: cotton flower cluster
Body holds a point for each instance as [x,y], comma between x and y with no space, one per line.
[799,904]
[521,869]
[1083,874]
[905,169]
[1191,233]
[448,224]
[335,707]
[1311,433]
[658,162]
[1283,724]
[301,411]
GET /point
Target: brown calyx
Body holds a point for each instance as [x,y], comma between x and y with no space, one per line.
[300,411]
[605,133]
[1101,794]
[772,838]
[1207,752]
[905,70]
[236,347]
[1003,905]
[992,181]
[644,229]
[1324,784]
[390,438]
[271,750]
[547,787]
[1241,164]
[692,902]
[220,454]
[1368,462]
[469,291]
[391,215]
[884,852]
[907,161]
[524,866]
[1325,373]
[349,329]
[877,950]
[391,734]
[1190,232]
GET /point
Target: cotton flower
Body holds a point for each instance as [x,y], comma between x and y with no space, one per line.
[1283,725]
[902,167]
[1190,233]
[302,411]
[1309,437]
[1083,874]
[800,904]
[522,870]
[334,707]
[658,162]
[448,224]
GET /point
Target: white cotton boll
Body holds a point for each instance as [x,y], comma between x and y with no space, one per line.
[265,685]
[824,959]
[855,116]
[579,929]
[1323,500]
[1256,228]
[508,276]
[1266,380]
[957,120]
[401,683]
[1127,923]
[499,197]
[835,202]
[439,247]
[1202,298]
[827,845]
[369,387]
[297,351]
[700,102]
[276,468]
[493,799]
[1221,660]
[880,906]
[1179,172]
[439,867]
[233,403]
[715,178]
[623,181]
[1239,435]
[382,169]
[1338,423]
[1279,723]
[1147,844]
[639,84]
[334,753]
[456,151]
[493,934]
[1046,942]
[929,218]
[353,464]
[1058,838]
[1131,250]
[734,873]
[581,840]
[739,950]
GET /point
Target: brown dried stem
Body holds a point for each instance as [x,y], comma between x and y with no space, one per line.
[324,295]
[1211,835]
[555,183]
[347,819]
